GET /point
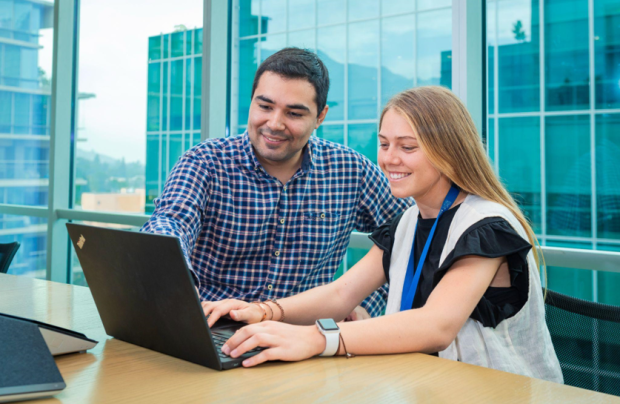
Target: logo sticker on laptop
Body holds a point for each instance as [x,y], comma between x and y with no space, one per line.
[81,241]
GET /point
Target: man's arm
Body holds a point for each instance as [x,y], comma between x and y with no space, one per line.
[376,206]
[178,210]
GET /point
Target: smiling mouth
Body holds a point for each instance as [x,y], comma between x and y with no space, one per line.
[397,176]
[272,140]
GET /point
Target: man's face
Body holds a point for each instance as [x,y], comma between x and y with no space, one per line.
[282,116]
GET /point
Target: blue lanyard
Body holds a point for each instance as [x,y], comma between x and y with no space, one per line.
[410,285]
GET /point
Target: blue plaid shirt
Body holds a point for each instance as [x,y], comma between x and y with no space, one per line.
[247,236]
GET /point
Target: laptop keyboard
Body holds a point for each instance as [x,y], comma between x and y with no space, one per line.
[221,336]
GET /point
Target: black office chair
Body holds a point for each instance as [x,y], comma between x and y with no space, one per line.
[586,337]
[7,252]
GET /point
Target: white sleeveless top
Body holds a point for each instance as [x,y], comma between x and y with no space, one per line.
[520,344]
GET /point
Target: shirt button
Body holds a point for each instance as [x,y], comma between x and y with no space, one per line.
[284,189]
[322,215]
[277,253]
[270,286]
[282,221]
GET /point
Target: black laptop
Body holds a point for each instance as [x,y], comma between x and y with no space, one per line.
[145,295]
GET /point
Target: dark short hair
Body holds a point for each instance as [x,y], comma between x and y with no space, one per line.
[295,63]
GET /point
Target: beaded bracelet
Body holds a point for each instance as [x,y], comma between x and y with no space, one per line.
[264,311]
[274,301]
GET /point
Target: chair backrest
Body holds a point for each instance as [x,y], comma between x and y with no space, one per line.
[7,252]
[586,337]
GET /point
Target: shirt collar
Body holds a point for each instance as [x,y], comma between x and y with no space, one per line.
[249,159]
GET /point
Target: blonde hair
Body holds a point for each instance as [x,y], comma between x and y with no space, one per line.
[448,137]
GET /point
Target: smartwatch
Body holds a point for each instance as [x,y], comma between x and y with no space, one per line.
[331,331]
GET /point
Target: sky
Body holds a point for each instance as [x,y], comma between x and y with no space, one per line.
[113,57]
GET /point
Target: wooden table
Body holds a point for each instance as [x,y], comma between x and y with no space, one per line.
[119,372]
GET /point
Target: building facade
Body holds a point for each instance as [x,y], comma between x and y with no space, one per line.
[25,90]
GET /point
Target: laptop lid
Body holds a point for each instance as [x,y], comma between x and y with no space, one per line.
[144,292]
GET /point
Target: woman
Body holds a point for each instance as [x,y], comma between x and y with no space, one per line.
[462,272]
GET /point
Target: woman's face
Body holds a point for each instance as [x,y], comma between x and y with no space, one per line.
[402,160]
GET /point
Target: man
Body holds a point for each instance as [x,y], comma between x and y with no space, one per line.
[268,214]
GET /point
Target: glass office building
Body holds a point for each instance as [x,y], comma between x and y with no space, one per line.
[173,104]
[25,90]
[553,127]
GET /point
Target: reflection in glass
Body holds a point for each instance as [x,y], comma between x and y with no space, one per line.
[567,71]
[518,55]
[31,233]
[570,281]
[396,7]
[334,133]
[363,138]
[397,55]
[568,175]
[363,55]
[273,16]
[426,4]
[607,53]
[248,17]
[331,50]
[608,175]
[608,281]
[270,45]
[490,140]
[363,9]
[302,39]
[331,11]
[301,14]
[434,44]
[519,164]
[248,63]
[491,44]
[176,94]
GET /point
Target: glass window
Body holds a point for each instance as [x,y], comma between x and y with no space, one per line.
[270,45]
[397,55]
[302,39]
[434,48]
[31,233]
[176,40]
[120,103]
[273,16]
[303,15]
[567,67]
[608,175]
[607,53]
[518,55]
[248,17]
[334,133]
[363,54]
[176,94]
[428,4]
[391,7]
[248,63]
[363,138]
[568,175]
[331,12]
[331,50]
[521,137]
[363,9]
[155,47]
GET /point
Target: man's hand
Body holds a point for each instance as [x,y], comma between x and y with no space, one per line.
[359,313]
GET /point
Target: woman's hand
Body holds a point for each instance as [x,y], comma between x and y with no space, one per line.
[284,342]
[237,310]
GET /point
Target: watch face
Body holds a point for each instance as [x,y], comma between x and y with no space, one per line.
[328,324]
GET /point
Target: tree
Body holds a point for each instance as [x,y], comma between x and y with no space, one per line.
[517,29]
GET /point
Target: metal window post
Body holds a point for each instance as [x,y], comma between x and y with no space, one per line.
[64,81]
[214,69]
[468,57]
